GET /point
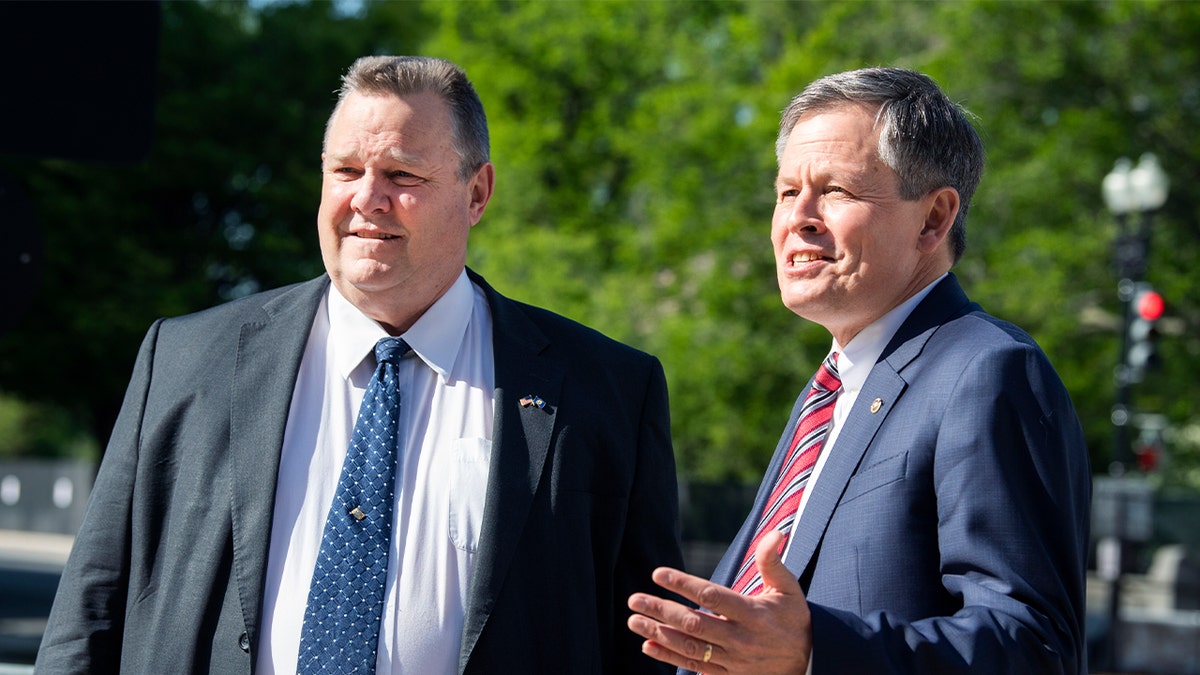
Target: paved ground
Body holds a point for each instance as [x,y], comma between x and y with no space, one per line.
[30,564]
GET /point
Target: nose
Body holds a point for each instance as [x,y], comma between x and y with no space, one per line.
[801,213]
[372,194]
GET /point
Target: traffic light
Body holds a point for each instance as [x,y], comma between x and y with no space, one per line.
[1148,457]
[1150,446]
[1142,352]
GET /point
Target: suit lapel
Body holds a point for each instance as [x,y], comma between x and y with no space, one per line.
[520,446]
[884,384]
[268,360]
[856,434]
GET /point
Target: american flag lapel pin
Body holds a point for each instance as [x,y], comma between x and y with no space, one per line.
[532,400]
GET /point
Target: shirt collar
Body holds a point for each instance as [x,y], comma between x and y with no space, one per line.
[436,337]
[858,356]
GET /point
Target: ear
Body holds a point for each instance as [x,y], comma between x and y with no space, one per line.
[480,188]
[942,208]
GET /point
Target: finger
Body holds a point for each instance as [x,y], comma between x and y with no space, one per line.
[769,559]
[713,597]
[673,622]
[667,637]
[657,608]
[662,653]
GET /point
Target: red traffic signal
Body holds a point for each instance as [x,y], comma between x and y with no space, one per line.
[1149,305]
[1149,457]
[1146,307]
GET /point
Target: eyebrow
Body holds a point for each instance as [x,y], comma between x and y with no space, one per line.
[394,154]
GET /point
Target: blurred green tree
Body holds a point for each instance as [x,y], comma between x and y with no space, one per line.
[634,148]
[223,206]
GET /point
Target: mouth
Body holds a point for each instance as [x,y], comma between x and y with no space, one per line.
[801,258]
[374,235]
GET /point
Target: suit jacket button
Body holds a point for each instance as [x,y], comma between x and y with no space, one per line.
[244,643]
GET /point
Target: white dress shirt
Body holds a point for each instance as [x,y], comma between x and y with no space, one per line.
[447,412]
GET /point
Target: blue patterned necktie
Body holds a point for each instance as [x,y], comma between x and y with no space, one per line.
[345,601]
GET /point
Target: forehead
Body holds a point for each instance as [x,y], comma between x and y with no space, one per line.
[847,132]
[837,144]
[377,123]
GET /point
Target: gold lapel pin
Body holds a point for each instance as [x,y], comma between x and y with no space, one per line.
[876,405]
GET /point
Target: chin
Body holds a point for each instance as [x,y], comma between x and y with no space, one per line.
[792,302]
[811,307]
[795,295]
[364,282]
[368,272]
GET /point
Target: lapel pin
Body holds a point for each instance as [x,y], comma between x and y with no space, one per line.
[876,405]
[531,400]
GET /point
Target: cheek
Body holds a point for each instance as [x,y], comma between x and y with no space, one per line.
[778,234]
[336,195]
[893,248]
[328,232]
[326,216]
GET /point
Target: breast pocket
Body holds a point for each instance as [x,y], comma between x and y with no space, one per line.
[880,474]
[470,465]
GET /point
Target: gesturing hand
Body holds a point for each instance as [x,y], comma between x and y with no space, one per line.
[765,634]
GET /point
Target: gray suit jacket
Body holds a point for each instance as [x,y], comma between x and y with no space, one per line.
[167,572]
[948,529]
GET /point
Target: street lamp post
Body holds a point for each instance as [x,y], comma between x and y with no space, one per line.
[1131,193]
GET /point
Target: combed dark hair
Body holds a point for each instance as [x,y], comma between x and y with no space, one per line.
[926,138]
[407,75]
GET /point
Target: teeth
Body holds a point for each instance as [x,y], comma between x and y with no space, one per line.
[804,257]
[376,235]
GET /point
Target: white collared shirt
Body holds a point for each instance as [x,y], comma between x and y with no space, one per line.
[447,412]
[855,361]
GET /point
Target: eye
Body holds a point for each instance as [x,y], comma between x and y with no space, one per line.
[787,193]
[401,177]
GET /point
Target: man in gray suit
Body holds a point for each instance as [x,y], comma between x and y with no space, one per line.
[534,486]
[932,513]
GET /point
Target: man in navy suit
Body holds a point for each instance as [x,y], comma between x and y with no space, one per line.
[943,525]
[535,486]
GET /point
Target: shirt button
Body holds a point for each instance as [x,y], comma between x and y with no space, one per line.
[244,642]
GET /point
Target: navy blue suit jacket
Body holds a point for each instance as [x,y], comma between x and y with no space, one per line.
[948,530]
[167,572]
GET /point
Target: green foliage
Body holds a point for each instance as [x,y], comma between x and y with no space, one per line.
[41,430]
[223,206]
[634,151]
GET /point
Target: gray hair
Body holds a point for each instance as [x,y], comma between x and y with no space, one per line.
[926,138]
[407,75]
